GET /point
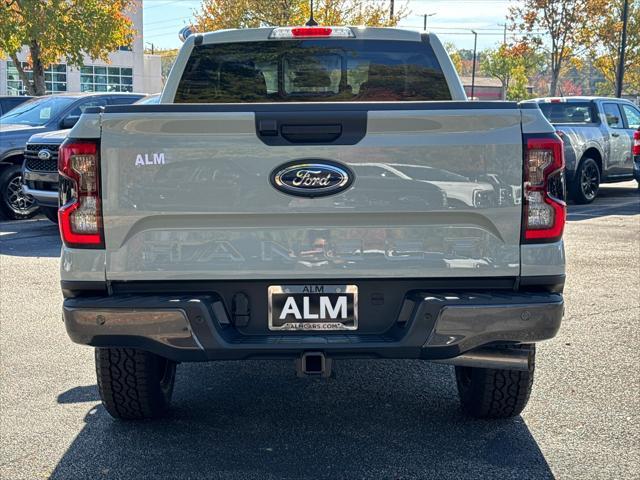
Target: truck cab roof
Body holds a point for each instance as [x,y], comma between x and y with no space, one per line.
[267,33]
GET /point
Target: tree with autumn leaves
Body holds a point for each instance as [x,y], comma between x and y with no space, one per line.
[219,14]
[567,31]
[604,43]
[56,29]
[570,30]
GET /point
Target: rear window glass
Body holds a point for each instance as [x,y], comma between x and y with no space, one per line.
[312,71]
[568,112]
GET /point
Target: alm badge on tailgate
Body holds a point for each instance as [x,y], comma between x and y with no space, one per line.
[312,177]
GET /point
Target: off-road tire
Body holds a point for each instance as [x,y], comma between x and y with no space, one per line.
[489,393]
[51,213]
[578,191]
[14,205]
[134,384]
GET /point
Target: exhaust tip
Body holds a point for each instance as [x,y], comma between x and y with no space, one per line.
[499,359]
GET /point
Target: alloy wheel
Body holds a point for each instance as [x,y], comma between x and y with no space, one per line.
[590,181]
[17,200]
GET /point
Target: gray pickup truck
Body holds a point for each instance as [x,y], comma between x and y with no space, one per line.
[316,194]
[598,137]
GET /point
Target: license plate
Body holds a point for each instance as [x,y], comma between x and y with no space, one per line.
[313,307]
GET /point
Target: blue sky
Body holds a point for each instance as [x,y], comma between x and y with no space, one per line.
[452,20]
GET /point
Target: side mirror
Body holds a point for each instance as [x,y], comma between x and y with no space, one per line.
[68,122]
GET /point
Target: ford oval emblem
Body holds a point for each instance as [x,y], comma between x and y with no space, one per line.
[44,154]
[312,177]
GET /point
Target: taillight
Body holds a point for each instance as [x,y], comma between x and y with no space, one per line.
[80,213]
[544,209]
[636,143]
[311,32]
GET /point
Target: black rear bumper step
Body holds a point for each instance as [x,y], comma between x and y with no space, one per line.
[197,327]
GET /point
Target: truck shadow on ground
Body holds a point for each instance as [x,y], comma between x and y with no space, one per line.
[255,420]
[611,200]
[30,238]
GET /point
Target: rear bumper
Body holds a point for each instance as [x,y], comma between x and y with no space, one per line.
[198,327]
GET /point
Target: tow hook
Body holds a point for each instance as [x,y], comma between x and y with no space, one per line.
[313,364]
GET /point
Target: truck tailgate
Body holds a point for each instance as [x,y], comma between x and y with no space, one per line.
[436,193]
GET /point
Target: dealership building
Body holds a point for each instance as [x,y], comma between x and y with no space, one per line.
[128,70]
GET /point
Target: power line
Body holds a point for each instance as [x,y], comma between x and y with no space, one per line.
[484,33]
[174,28]
[434,3]
[490,30]
[163,33]
[167,21]
[144,7]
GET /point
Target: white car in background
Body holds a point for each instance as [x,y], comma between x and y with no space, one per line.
[458,188]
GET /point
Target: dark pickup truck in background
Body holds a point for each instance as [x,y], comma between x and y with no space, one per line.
[598,136]
[39,115]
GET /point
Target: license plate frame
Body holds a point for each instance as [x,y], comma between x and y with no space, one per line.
[314,292]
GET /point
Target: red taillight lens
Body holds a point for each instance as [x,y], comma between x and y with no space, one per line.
[636,143]
[545,210]
[311,31]
[80,213]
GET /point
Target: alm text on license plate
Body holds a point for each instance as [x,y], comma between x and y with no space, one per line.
[313,307]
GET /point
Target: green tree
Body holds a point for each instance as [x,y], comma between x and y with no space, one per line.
[220,14]
[500,63]
[517,88]
[505,62]
[564,23]
[53,29]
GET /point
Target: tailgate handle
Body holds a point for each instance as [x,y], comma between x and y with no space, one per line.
[311,133]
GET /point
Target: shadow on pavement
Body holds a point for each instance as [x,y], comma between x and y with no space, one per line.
[611,200]
[255,420]
[30,238]
[88,393]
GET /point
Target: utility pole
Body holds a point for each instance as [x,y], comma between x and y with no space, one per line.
[391,10]
[623,46]
[504,36]
[426,16]
[473,71]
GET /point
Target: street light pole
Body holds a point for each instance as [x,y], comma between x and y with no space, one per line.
[623,46]
[473,71]
[426,16]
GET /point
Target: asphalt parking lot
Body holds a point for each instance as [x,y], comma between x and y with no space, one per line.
[376,419]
